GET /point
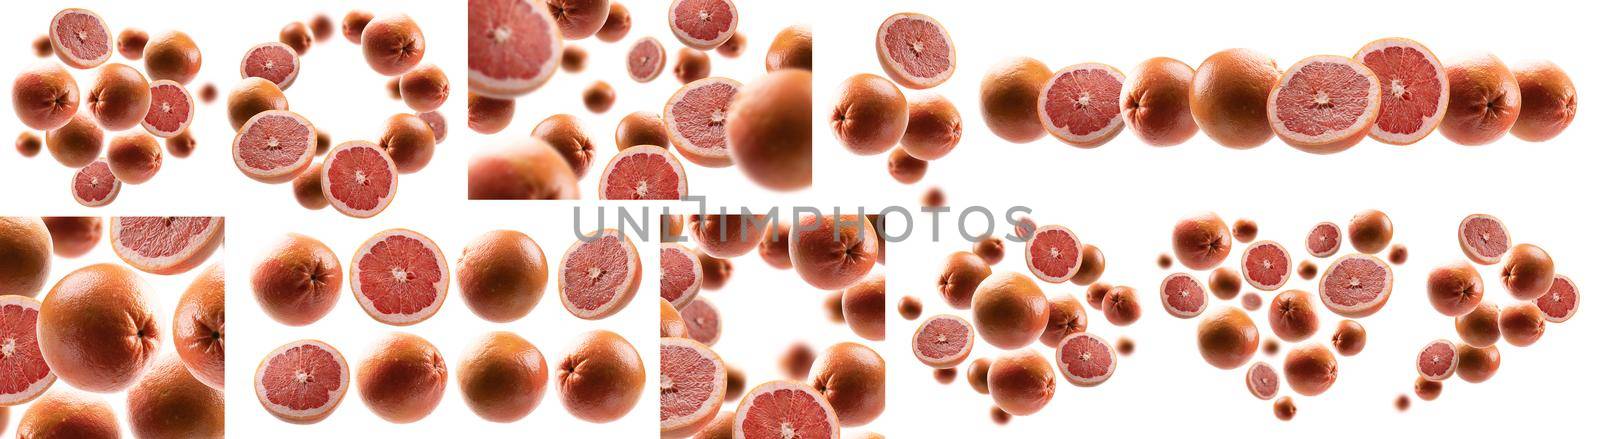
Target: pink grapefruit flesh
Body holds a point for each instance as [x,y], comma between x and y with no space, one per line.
[1437,360]
[302,382]
[80,38]
[1262,381]
[681,274]
[943,341]
[275,62]
[23,373]
[1080,104]
[1266,265]
[1324,104]
[94,186]
[1560,302]
[165,245]
[646,59]
[915,50]
[703,321]
[693,384]
[1085,360]
[1414,89]
[275,146]
[702,24]
[1356,285]
[1183,296]
[784,410]
[644,172]
[171,109]
[600,276]
[399,277]
[696,120]
[1483,238]
[513,47]
[359,179]
[1053,253]
[1324,240]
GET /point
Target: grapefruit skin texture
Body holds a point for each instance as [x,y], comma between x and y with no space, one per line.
[601,378]
[933,128]
[1227,338]
[864,305]
[403,379]
[1229,97]
[1522,324]
[70,236]
[134,157]
[1481,326]
[727,236]
[1370,231]
[1292,316]
[618,22]
[769,130]
[392,44]
[1484,100]
[409,141]
[1549,101]
[198,327]
[172,55]
[642,128]
[298,282]
[502,377]
[871,115]
[1155,102]
[44,97]
[96,329]
[851,377]
[502,275]
[26,244]
[1201,241]
[119,98]
[1349,338]
[524,169]
[565,133]
[831,252]
[1477,364]
[1009,96]
[1528,272]
[1455,288]
[1009,310]
[170,403]
[790,49]
[77,143]
[1310,369]
[488,115]
[65,412]
[1021,382]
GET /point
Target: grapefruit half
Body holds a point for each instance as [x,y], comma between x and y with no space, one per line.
[1053,253]
[915,50]
[94,186]
[1085,360]
[644,172]
[171,109]
[943,341]
[359,179]
[1437,360]
[693,384]
[1324,104]
[1183,296]
[703,321]
[302,382]
[23,372]
[1356,285]
[681,274]
[1414,86]
[1560,302]
[165,245]
[1081,104]
[274,61]
[784,409]
[275,146]
[1262,380]
[1266,265]
[703,24]
[1483,238]
[513,47]
[696,117]
[599,276]
[1324,240]
[646,59]
[80,38]
[399,277]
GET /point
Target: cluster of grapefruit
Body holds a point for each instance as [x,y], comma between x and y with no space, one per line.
[762,127]
[47,98]
[95,330]
[358,178]
[400,278]
[844,387]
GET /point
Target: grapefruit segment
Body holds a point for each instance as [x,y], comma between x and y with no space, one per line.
[1560,302]
[915,50]
[1324,240]
[165,245]
[782,410]
[359,179]
[693,384]
[1085,360]
[1483,238]
[1183,296]
[1266,265]
[1356,285]
[171,109]
[681,274]
[274,61]
[942,341]
[599,276]
[80,38]
[1081,104]
[275,146]
[696,118]
[646,60]
[703,24]
[302,382]
[1324,104]
[23,372]
[94,185]
[399,277]
[1415,90]
[1053,253]
[513,47]
[644,172]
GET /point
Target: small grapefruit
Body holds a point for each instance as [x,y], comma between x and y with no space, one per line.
[1080,104]
[358,178]
[1370,231]
[513,47]
[1477,364]
[784,409]
[171,109]
[1066,317]
[1415,90]
[392,44]
[1484,100]
[696,120]
[97,331]
[1324,104]
[502,275]
[601,377]
[1528,272]
[1310,369]
[693,384]
[703,24]
[1183,296]
[275,146]
[165,245]
[942,341]
[644,172]
[1266,265]
[403,379]
[1292,316]
[598,277]
[1437,360]
[199,327]
[646,60]
[1455,288]
[94,186]
[302,382]
[1324,240]
[80,38]
[672,324]
[1262,381]
[119,98]
[1521,324]
[1560,302]
[24,375]
[1356,285]
[680,274]
[399,277]
[870,116]
[1230,96]
[915,50]
[702,320]
[852,378]
[1086,360]
[1483,238]
[135,157]
[273,61]
[1201,241]
[1053,253]
[502,377]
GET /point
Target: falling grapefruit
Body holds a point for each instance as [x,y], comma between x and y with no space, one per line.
[681,274]
[1085,360]
[915,50]
[513,47]
[782,410]
[1437,360]
[646,59]
[703,321]
[1560,302]
[274,61]
[696,120]
[1483,238]
[644,172]
[1324,240]
[1266,265]
[1324,104]
[1081,104]
[80,38]
[94,186]
[693,384]
[23,372]
[359,179]
[1415,90]
[302,382]
[942,341]
[275,146]
[1262,380]
[171,109]
[1053,253]
[1356,285]
[703,24]
[165,245]
[399,277]
[1183,296]
[599,276]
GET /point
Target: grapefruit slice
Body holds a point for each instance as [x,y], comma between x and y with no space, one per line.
[681,274]
[644,172]
[399,277]
[1085,360]
[1183,296]
[784,409]
[646,59]
[1053,253]
[942,341]
[275,146]
[1262,380]
[703,24]
[23,372]
[80,38]
[599,276]
[359,179]
[1437,360]
[702,320]
[94,186]
[1266,265]
[1414,86]
[693,384]
[165,245]
[1324,240]
[696,120]
[302,382]
[171,109]
[274,61]
[915,50]
[1560,302]
[1081,104]
[1356,285]
[513,47]
[1324,104]
[1483,238]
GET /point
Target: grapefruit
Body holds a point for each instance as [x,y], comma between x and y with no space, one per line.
[1324,104]
[1230,95]
[1021,382]
[26,245]
[135,157]
[1227,338]
[727,236]
[784,409]
[1080,104]
[1356,285]
[1266,265]
[1484,100]
[1053,253]
[942,341]
[80,38]
[171,109]
[513,47]
[302,382]
[1415,90]
[1183,296]
[863,304]
[644,172]
[273,61]
[502,275]
[24,375]
[275,146]
[646,60]
[832,251]
[1009,310]
[45,96]
[1370,231]
[599,277]
[601,378]
[579,19]
[68,413]
[97,331]
[119,97]
[199,327]
[1455,288]
[399,277]
[1437,360]
[503,377]
[870,116]
[1085,360]
[851,377]
[1477,364]
[94,186]
[672,324]
[1262,380]
[1483,238]
[1528,272]
[915,50]
[403,379]
[1066,317]
[359,179]
[702,320]
[1549,101]
[168,402]
[1310,369]
[297,281]
[165,245]
[1202,241]
[521,169]
[1292,315]
[703,24]
[1155,102]
[696,120]
[70,237]
[1009,98]
[769,130]
[680,274]
[693,384]
[1560,302]
[1324,240]
[392,44]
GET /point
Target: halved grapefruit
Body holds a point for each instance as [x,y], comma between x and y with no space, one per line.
[23,372]
[1081,104]
[703,321]
[784,409]
[275,146]
[1266,265]
[600,275]
[644,172]
[1262,380]
[94,186]
[273,61]
[165,245]
[513,47]
[1483,238]
[646,59]
[681,274]
[1415,89]
[1560,302]
[171,109]
[703,24]
[915,50]
[696,117]
[693,384]
[1086,360]
[302,382]
[1324,104]
[1053,253]
[1356,285]
[1437,360]
[942,341]
[1324,240]
[80,38]
[359,179]
[1183,296]
[399,277]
